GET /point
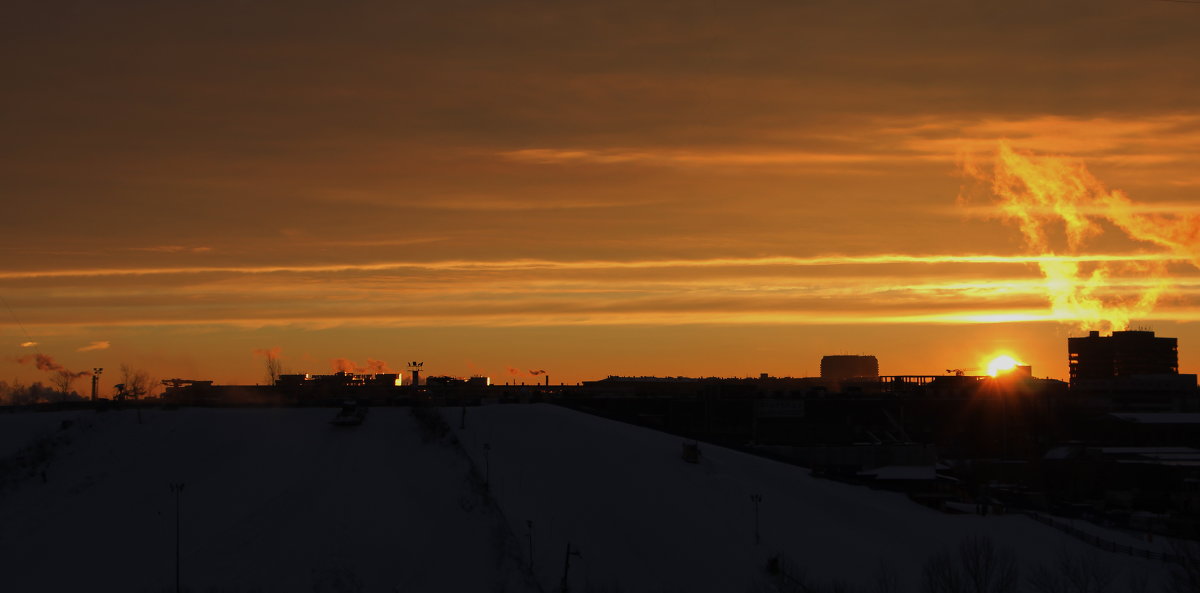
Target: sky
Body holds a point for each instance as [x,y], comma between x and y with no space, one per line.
[593,188]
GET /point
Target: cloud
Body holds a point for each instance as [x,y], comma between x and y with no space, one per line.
[696,158]
[28,344]
[550,264]
[172,249]
[269,353]
[98,345]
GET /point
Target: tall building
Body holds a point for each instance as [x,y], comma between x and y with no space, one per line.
[1123,354]
[841,367]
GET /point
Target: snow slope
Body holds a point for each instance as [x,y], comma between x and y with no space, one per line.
[273,500]
[279,500]
[19,429]
[646,521]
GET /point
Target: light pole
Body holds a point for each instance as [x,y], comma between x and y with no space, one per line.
[177,488]
[487,465]
[529,523]
[566,587]
[756,499]
[96,381]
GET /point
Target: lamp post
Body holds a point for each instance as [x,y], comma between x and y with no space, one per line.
[177,488]
[529,523]
[756,499]
[96,381]
[487,465]
[566,587]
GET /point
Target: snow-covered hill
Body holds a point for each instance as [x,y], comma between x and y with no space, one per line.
[646,521]
[280,500]
[273,500]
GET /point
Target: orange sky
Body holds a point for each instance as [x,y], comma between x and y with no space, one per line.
[588,188]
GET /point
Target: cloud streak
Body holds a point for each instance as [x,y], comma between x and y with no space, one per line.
[547,264]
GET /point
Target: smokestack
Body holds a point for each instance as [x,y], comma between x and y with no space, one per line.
[547,380]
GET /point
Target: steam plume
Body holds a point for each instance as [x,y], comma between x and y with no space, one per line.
[1040,192]
[44,362]
[373,366]
[272,352]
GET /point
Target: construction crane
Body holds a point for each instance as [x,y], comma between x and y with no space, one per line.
[962,372]
[181,382]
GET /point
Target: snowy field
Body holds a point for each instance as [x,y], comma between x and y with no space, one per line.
[280,500]
[273,500]
[644,520]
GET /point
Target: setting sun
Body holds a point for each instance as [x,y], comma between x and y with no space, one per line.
[1002,364]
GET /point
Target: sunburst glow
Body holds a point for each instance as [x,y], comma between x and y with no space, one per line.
[1002,364]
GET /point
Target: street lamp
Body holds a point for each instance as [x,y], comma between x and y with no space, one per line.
[566,587]
[756,499]
[177,488]
[529,523]
[487,465]
[96,381]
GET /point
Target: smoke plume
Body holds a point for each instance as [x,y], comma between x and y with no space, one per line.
[372,367]
[44,362]
[1060,207]
[269,353]
[538,372]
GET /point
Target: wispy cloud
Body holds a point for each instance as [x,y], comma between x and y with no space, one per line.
[547,264]
[677,157]
[98,345]
[901,141]
[172,249]
[28,344]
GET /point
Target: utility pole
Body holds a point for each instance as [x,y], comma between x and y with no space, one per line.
[756,499]
[487,465]
[566,587]
[529,523]
[177,488]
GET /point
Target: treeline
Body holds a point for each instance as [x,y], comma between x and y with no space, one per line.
[20,394]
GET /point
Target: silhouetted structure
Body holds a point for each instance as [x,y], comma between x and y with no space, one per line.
[1122,354]
[842,366]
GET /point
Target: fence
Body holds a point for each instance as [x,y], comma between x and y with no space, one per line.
[1104,544]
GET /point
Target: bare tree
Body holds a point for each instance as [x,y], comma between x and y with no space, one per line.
[136,383]
[986,568]
[1074,573]
[887,580]
[274,367]
[977,567]
[940,575]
